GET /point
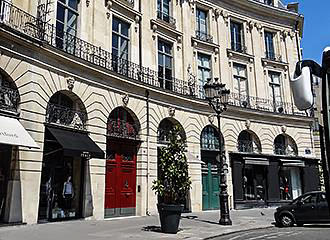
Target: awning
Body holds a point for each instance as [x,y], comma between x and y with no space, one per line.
[13,133]
[256,161]
[292,163]
[76,143]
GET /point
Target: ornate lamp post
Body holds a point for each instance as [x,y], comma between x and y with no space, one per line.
[218,98]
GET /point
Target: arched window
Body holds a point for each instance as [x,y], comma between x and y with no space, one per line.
[165,126]
[210,139]
[66,109]
[285,145]
[248,142]
[121,124]
[9,96]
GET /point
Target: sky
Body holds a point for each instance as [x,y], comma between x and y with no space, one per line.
[316,34]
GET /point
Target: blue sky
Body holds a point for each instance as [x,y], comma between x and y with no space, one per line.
[316,27]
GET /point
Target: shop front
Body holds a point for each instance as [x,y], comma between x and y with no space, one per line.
[261,180]
[67,148]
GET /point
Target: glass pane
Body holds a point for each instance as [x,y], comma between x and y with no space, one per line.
[115,40]
[115,25]
[277,93]
[168,73]
[60,13]
[73,4]
[243,87]
[206,62]
[168,62]
[168,48]
[199,60]
[72,20]
[124,29]
[159,4]
[123,46]
[236,85]
[160,59]
[160,46]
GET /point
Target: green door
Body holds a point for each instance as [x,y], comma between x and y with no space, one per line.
[210,183]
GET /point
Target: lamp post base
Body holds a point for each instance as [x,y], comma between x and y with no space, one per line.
[225,221]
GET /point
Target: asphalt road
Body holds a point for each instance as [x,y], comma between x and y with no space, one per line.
[308,232]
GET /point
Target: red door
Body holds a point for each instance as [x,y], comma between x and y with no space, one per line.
[120,180]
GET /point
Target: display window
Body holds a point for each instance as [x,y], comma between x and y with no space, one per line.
[5,157]
[60,189]
[290,183]
[254,182]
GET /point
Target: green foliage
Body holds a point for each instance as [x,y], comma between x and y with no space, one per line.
[173,182]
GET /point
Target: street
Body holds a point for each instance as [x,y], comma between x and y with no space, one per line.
[315,232]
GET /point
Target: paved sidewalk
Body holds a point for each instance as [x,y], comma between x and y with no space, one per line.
[193,226]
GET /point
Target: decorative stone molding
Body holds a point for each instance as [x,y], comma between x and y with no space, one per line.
[192,5]
[259,27]
[125,99]
[225,16]
[70,82]
[216,13]
[291,34]
[171,111]
[284,35]
[191,80]
[87,3]
[108,4]
[283,128]
[247,124]
[211,118]
[137,20]
[250,25]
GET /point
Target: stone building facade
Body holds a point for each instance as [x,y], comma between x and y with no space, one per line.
[98,84]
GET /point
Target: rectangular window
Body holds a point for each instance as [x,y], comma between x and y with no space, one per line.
[241,88]
[275,89]
[237,38]
[165,65]
[269,45]
[120,46]
[202,32]
[204,70]
[66,24]
[290,183]
[163,10]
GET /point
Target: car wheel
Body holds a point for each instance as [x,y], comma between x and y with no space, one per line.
[286,220]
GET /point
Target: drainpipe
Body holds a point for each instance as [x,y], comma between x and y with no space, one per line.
[297,42]
[148,138]
[140,37]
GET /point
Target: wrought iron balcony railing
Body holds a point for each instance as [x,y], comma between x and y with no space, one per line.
[282,149]
[263,104]
[9,99]
[67,117]
[238,47]
[27,25]
[203,36]
[122,129]
[272,56]
[247,146]
[165,17]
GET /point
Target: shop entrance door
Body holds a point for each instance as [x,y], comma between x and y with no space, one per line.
[120,180]
[210,184]
[5,157]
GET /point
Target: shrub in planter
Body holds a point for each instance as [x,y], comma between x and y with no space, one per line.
[173,181]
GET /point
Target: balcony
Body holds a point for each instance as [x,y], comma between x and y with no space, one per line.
[9,100]
[26,25]
[238,47]
[66,117]
[122,129]
[166,18]
[262,104]
[273,57]
[202,36]
[247,146]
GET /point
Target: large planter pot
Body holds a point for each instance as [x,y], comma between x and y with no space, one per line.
[169,217]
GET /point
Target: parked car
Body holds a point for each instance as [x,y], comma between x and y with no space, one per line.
[310,207]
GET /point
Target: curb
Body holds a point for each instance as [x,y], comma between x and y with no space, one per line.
[238,231]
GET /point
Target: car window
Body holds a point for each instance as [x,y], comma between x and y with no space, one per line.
[309,199]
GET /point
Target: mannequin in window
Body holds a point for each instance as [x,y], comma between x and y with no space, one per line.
[68,193]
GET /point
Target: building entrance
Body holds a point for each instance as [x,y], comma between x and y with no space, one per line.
[120,183]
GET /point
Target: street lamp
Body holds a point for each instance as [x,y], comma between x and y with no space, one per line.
[218,97]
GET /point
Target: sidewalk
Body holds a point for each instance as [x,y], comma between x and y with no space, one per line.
[193,226]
